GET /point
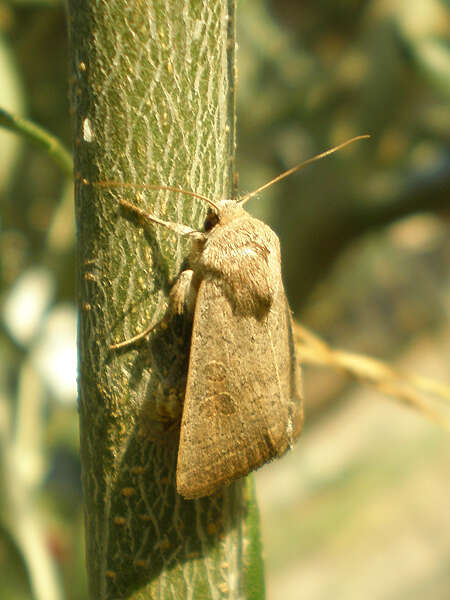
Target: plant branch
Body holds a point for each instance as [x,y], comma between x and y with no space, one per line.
[408,389]
[40,138]
[153,103]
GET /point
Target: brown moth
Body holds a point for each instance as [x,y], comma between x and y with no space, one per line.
[243,402]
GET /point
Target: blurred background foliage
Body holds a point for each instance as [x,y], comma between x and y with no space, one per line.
[360,508]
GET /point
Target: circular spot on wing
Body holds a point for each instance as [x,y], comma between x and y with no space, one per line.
[215,371]
[220,404]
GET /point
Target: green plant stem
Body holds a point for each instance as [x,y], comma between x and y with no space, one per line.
[153,103]
[40,138]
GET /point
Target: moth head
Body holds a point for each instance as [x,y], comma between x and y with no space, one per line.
[225,211]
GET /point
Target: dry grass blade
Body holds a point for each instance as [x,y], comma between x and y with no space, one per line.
[407,389]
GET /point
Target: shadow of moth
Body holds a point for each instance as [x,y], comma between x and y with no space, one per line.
[243,403]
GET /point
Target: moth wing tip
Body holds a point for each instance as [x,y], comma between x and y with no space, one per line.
[192,487]
[188,487]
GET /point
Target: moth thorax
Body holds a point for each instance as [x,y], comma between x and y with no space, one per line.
[228,210]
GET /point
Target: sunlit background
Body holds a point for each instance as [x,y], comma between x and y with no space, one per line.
[360,508]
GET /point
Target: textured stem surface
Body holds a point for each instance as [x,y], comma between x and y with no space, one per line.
[153,103]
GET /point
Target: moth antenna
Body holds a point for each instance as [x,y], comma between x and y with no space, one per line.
[150,186]
[244,199]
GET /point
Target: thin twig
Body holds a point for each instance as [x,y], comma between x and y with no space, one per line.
[40,137]
[408,389]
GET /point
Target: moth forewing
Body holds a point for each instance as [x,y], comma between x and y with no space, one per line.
[242,404]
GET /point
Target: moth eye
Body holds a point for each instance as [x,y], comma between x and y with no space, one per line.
[211,221]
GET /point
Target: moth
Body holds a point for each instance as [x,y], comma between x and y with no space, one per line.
[243,399]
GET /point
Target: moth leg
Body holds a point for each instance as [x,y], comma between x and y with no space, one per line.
[175,227]
[135,338]
[183,294]
[181,301]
